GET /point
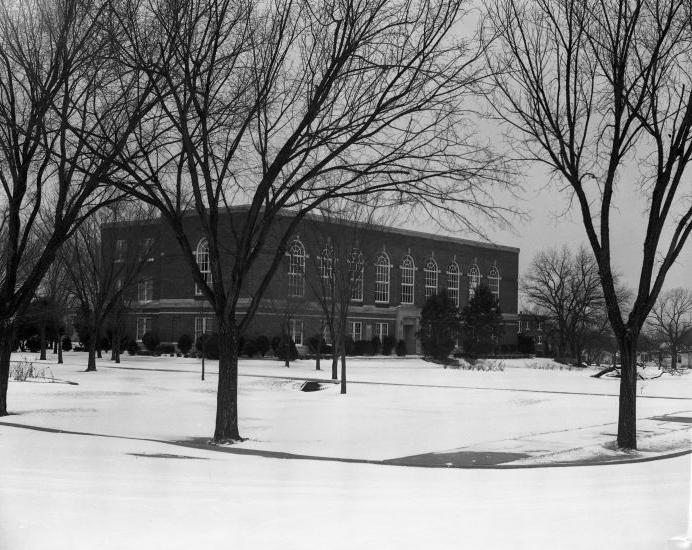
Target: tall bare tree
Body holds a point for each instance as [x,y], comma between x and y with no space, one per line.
[102,274]
[286,105]
[597,92]
[565,287]
[671,319]
[59,97]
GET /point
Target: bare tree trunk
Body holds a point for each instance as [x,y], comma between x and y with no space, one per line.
[627,418]
[343,367]
[319,356]
[42,336]
[227,393]
[60,336]
[674,357]
[91,364]
[6,337]
[335,363]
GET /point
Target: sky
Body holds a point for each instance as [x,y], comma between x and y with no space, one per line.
[551,223]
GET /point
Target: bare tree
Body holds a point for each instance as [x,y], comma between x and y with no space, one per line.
[60,101]
[671,320]
[565,287]
[341,253]
[287,105]
[101,273]
[597,92]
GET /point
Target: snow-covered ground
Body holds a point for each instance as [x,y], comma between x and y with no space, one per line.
[115,479]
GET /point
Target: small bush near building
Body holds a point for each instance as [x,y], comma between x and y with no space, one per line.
[349,345]
[287,348]
[525,344]
[262,344]
[401,348]
[316,344]
[388,343]
[275,344]
[185,343]
[150,341]
[249,348]
[165,349]
[376,344]
[363,347]
[208,344]
[33,344]
[132,347]
[66,343]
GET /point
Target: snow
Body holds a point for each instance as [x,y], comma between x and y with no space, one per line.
[115,478]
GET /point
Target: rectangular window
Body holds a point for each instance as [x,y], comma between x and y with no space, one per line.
[143,326]
[381,330]
[539,339]
[356,330]
[295,328]
[326,335]
[120,250]
[407,286]
[145,290]
[357,283]
[382,280]
[203,325]
[148,249]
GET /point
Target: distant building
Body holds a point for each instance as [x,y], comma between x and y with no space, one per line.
[400,268]
[534,326]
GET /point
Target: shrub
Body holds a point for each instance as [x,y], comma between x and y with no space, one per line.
[376,344]
[401,348]
[249,349]
[262,344]
[363,347]
[316,344]
[33,344]
[287,348]
[275,344]
[350,345]
[66,343]
[525,344]
[150,341]
[132,347]
[185,343]
[165,349]
[388,343]
[440,326]
[208,343]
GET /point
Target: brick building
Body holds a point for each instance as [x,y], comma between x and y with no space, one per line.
[400,268]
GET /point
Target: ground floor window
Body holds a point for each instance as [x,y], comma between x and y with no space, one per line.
[381,330]
[295,328]
[326,334]
[143,326]
[203,325]
[356,330]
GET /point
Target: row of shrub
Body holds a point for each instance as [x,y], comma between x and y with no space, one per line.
[207,345]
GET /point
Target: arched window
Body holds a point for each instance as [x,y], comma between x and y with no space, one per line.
[408,277]
[326,271]
[453,273]
[382,267]
[494,282]
[202,255]
[474,279]
[296,269]
[430,278]
[355,274]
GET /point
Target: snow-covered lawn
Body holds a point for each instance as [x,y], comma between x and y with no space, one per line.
[135,489]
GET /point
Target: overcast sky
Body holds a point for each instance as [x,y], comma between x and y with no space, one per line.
[550,226]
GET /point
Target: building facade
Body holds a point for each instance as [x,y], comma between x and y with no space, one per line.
[398,268]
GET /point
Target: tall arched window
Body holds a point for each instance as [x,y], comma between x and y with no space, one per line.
[326,271]
[453,274]
[430,278]
[474,279]
[355,274]
[202,255]
[494,282]
[382,267]
[296,269]
[408,277]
